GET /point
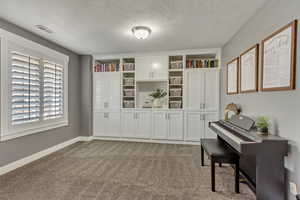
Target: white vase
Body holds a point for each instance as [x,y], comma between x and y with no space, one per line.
[157,103]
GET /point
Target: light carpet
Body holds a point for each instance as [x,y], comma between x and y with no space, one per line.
[104,170]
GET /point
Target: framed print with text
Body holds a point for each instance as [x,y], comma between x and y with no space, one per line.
[249,70]
[278,70]
[232,76]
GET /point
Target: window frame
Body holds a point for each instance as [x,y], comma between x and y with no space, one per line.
[11,42]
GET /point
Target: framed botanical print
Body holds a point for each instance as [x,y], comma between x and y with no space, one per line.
[232,76]
[249,70]
[278,70]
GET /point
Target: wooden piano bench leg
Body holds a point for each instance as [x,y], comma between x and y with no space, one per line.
[202,156]
[237,177]
[213,171]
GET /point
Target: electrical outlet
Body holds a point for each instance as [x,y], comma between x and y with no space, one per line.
[293,188]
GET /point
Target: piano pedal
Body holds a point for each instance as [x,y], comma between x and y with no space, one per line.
[243,180]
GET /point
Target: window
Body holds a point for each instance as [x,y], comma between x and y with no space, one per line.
[33,87]
[53,90]
[25,88]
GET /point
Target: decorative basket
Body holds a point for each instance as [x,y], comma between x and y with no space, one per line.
[175,104]
[175,80]
[175,92]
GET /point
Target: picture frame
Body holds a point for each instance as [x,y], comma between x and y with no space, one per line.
[248,76]
[278,71]
[233,77]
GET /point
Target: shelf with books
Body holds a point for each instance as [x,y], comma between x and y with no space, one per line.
[202,61]
[128,83]
[107,65]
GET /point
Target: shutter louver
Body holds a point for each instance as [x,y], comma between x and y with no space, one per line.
[53,90]
[25,96]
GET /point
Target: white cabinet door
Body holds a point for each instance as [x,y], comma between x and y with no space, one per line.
[143,125]
[151,68]
[194,89]
[175,125]
[160,125]
[106,90]
[101,96]
[210,118]
[212,90]
[128,124]
[113,124]
[142,69]
[107,124]
[159,65]
[195,126]
[100,124]
[114,90]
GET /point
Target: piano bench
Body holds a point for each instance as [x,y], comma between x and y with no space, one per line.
[218,152]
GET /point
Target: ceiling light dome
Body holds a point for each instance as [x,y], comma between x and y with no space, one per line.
[141,32]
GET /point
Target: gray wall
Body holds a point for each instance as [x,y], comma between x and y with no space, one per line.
[18,148]
[86,95]
[283,108]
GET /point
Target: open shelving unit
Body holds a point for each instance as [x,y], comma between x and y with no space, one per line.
[201,61]
[110,65]
[175,89]
[128,83]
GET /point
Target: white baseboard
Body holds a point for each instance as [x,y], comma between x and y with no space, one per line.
[85,138]
[19,163]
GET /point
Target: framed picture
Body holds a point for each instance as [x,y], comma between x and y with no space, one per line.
[278,70]
[232,76]
[249,70]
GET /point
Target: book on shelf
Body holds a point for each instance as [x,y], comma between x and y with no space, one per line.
[202,63]
[107,67]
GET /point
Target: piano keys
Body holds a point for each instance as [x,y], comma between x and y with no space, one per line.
[261,156]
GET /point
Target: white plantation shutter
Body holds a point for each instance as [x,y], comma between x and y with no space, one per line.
[34,87]
[53,90]
[25,88]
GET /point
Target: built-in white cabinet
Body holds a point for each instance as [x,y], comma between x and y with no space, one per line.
[136,124]
[175,125]
[107,91]
[107,124]
[121,88]
[210,117]
[168,125]
[196,125]
[160,125]
[151,68]
[202,89]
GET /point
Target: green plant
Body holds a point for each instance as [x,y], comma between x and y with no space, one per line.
[158,94]
[262,122]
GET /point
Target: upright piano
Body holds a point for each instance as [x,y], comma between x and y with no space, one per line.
[261,156]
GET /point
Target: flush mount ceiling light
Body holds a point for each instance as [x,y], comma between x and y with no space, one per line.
[44,28]
[141,32]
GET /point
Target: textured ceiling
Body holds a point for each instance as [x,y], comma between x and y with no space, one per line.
[103,26]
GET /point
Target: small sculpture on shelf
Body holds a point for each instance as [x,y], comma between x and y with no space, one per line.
[157,96]
[231,108]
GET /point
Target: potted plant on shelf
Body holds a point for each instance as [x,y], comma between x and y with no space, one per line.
[263,125]
[157,96]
